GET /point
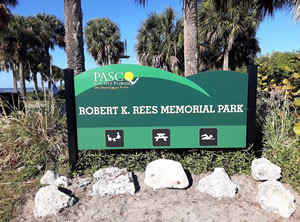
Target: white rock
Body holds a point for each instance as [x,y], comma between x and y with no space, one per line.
[50,200]
[109,173]
[62,180]
[49,178]
[83,182]
[218,185]
[165,174]
[113,181]
[263,169]
[52,178]
[274,197]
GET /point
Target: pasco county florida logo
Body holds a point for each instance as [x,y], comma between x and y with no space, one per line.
[114,80]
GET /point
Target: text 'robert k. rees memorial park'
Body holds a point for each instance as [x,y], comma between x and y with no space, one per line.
[138,107]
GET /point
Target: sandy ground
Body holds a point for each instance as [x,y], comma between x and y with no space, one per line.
[163,205]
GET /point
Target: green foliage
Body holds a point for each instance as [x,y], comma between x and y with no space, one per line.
[196,161]
[14,188]
[276,118]
[227,36]
[160,42]
[34,138]
[103,41]
[288,159]
[280,72]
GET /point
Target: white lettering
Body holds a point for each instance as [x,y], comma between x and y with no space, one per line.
[124,108]
[240,106]
[110,75]
[103,76]
[89,112]
[179,109]
[188,109]
[97,75]
[96,111]
[164,109]
[120,74]
[81,111]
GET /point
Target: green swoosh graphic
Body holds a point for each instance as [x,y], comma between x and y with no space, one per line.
[85,80]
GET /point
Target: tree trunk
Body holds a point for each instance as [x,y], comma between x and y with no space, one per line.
[48,62]
[226,54]
[74,35]
[202,66]
[49,85]
[22,80]
[190,37]
[35,83]
[15,81]
[60,84]
[42,82]
[226,60]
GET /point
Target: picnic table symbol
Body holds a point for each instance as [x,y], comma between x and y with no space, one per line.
[207,137]
[161,136]
[110,139]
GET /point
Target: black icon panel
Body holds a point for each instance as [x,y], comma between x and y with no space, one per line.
[208,137]
[114,138]
[161,137]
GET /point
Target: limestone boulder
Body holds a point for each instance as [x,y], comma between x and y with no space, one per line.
[218,184]
[52,178]
[272,196]
[263,169]
[164,173]
[50,200]
[113,181]
[109,173]
[84,182]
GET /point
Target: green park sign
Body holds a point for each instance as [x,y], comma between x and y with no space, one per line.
[138,107]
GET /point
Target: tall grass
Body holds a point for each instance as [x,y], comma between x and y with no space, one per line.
[276,117]
[35,137]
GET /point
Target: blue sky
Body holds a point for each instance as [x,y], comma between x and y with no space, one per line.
[277,33]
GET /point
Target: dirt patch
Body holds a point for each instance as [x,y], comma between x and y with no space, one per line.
[163,205]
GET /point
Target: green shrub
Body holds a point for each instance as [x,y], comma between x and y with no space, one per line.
[276,118]
[196,161]
[35,138]
[281,72]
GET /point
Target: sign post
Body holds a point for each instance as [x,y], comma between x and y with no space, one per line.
[71,117]
[251,115]
[138,107]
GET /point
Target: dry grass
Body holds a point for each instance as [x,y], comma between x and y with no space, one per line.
[30,141]
[13,192]
[33,137]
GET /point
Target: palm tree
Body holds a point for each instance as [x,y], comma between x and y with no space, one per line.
[36,64]
[8,61]
[190,14]
[227,26]
[58,75]
[244,50]
[74,35]
[190,34]
[20,39]
[5,15]
[297,10]
[103,41]
[267,6]
[50,31]
[160,41]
